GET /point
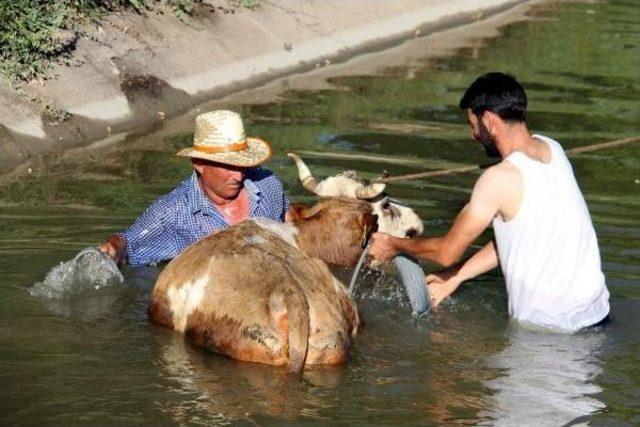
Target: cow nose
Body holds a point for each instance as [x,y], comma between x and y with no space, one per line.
[412,232]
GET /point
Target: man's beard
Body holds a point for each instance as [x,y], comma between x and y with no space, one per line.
[488,142]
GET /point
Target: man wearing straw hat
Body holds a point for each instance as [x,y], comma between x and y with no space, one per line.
[545,242]
[226,187]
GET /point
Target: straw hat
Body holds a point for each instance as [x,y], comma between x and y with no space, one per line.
[219,137]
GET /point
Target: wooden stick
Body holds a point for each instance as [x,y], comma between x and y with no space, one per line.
[602,146]
[578,150]
[390,160]
[431,174]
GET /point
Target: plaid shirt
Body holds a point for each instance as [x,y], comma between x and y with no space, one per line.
[185,215]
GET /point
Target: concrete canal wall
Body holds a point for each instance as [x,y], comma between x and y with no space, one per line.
[132,72]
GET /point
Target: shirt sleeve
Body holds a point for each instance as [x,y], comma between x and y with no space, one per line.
[151,237]
[279,198]
[285,205]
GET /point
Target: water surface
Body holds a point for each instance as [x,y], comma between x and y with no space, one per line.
[94,359]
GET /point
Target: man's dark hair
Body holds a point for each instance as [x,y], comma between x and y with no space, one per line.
[499,93]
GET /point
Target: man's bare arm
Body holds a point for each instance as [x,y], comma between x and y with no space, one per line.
[444,283]
[490,193]
[484,260]
[472,220]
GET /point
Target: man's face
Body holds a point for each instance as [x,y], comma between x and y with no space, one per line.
[223,180]
[480,133]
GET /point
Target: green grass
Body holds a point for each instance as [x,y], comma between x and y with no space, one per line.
[34,33]
[29,35]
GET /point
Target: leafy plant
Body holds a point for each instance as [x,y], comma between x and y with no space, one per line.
[28,35]
[34,32]
[53,114]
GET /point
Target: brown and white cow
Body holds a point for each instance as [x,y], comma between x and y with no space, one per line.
[393,217]
[261,291]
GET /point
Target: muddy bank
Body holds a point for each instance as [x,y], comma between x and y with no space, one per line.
[134,72]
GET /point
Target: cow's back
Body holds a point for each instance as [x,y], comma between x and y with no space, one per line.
[230,291]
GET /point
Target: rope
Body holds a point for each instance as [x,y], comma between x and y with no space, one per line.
[601,146]
[464,169]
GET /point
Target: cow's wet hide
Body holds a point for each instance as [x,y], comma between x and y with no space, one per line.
[250,293]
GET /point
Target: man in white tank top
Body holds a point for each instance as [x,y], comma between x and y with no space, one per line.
[544,241]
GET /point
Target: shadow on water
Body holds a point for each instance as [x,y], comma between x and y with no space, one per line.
[94,358]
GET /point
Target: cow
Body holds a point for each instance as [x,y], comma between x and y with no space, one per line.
[261,291]
[393,217]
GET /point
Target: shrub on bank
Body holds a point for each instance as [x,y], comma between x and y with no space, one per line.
[30,32]
[34,32]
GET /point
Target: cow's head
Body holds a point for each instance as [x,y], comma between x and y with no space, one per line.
[393,217]
[334,230]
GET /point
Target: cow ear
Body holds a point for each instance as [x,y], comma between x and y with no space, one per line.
[295,212]
[298,212]
[313,210]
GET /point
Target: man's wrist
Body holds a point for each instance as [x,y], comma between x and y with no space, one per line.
[404,245]
[116,247]
[396,245]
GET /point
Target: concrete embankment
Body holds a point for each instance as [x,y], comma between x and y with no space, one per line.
[132,71]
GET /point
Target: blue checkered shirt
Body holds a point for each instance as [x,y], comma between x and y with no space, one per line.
[185,215]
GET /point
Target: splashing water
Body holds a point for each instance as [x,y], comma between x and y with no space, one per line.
[381,285]
[411,284]
[89,269]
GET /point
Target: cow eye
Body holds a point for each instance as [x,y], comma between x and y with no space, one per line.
[385,203]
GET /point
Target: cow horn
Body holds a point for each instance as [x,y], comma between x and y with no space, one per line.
[308,181]
[370,191]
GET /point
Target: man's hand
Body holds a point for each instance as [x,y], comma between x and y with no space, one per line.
[445,282]
[115,246]
[441,285]
[382,247]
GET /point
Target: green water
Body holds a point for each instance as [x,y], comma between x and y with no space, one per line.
[94,359]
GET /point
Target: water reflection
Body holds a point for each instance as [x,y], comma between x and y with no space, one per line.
[219,390]
[548,379]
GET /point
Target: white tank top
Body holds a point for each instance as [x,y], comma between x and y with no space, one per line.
[548,251]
